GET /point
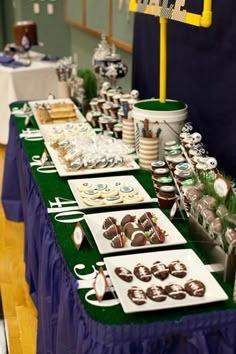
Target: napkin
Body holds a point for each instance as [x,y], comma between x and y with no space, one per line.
[6,59]
[50,58]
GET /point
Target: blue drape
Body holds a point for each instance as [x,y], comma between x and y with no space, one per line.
[201,71]
[64,327]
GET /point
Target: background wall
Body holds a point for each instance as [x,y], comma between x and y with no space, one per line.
[59,38]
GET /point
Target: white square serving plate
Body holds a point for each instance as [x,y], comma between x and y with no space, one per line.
[195,270]
[111,182]
[95,222]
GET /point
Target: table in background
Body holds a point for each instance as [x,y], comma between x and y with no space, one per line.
[66,322]
[33,82]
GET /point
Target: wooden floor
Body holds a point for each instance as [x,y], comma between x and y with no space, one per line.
[19,311]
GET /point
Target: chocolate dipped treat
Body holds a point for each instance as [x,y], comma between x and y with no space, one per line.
[130,228]
[175,291]
[156,235]
[160,270]
[195,288]
[138,238]
[156,293]
[177,269]
[137,295]
[142,272]
[112,231]
[118,242]
[108,222]
[127,218]
[147,220]
[124,273]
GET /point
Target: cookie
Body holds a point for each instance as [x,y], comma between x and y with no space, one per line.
[92,194]
[156,293]
[177,269]
[127,190]
[112,231]
[175,291]
[108,222]
[124,273]
[160,270]
[195,288]
[116,199]
[137,295]
[85,187]
[133,198]
[93,202]
[101,186]
[142,272]
[109,192]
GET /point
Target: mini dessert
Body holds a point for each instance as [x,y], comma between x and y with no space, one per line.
[127,190]
[101,186]
[195,288]
[85,187]
[111,232]
[127,218]
[116,199]
[175,291]
[130,228]
[163,181]
[124,273]
[92,194]
[109,192]
[147,220]
[158,164]
[108,222]
[160,270]
[118,242]
[156,235]
[142,272]
[137,295]
[93,201]
[177,269]
[166,196]
[208,215]
[156,293]
[133,198]
[138,238]
[160,172]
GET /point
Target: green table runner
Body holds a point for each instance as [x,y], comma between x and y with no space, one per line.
[51,185]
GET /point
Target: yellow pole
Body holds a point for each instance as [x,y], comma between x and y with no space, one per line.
[163,58]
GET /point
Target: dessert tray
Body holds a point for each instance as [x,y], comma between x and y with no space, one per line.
[176,290]
[88,154]
[55,111]
[108,191]
[104,232]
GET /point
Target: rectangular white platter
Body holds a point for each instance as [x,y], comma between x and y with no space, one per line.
[95,222]
[195,270]
[111,182]
[63,172]
[33,104]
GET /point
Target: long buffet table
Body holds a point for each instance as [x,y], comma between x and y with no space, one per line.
[67,322]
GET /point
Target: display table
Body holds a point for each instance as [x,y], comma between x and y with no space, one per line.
[67,323]
[32,82]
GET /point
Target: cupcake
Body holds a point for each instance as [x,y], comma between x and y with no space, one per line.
[158,164]
[160,172]
[163,181]
[166,196]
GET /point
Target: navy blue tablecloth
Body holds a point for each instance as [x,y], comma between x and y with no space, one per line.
[64,327]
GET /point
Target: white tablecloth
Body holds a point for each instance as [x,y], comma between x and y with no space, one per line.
[26,83]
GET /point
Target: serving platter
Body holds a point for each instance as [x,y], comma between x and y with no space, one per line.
[96,222]
[129,165]
[87,200]
[77,114]
[196,270]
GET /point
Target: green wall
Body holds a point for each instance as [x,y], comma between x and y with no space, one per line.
[52,30]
